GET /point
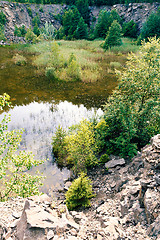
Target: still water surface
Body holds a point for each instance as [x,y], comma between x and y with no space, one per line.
[40,106]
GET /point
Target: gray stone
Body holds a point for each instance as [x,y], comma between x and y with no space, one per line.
[157,179]
[116,161]
[155,142]
[151,204]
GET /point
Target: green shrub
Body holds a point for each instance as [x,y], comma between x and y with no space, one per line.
[113,37]
[20,32]
[29,10]
[130,29]
[19,60]
[79,193]
[2,18]
[73,69]
[132,112]
[14,165]
[36,30]
[104,158]
[80,146]
[36,20]
[30,37]
[59,146]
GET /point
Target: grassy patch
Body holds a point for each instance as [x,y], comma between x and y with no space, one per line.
[91,62]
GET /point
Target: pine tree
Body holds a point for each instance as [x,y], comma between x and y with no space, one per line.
[81,31]
[113,37]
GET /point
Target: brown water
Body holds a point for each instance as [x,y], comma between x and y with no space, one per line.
[40,105]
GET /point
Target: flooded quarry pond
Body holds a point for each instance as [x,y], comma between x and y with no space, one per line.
[39,106]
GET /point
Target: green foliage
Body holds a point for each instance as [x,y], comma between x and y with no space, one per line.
[29,10]
[81,31]
[76,148]
[80,146]
[73,69]
[48,32]
[79,193]
[41,9]
[2,35]
[2,18]
[36,30]
[113,37]
[130,29]
[19,60]
[36,21]
[105,19]
[14,178]
[83,8]
[59,146]
[20,32]
[151,27]
[30,37]
[132,112]
[104,158]
[70,21]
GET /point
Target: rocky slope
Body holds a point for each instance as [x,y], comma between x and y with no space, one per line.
[127,206]
[18,14]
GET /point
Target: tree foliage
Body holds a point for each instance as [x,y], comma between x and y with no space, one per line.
[14,178]
[132,112]
[79,193]
[113,37]
[151,27]
[2,18]
[105,19]
[130,29]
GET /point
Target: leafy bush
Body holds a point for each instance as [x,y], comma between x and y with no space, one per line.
[2,18]
[130,29]
[80,146]
[73,69]
[14,178]
[104,158]
[132,112]
[19,60]
[20,32]
[79,193]
[113,37]
[30,37]
[76,148]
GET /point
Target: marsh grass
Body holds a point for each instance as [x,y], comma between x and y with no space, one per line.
[92,62]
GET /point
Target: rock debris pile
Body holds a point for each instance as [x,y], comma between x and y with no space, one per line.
[127,205]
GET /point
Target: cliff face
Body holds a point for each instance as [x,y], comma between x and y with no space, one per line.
[18,13]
